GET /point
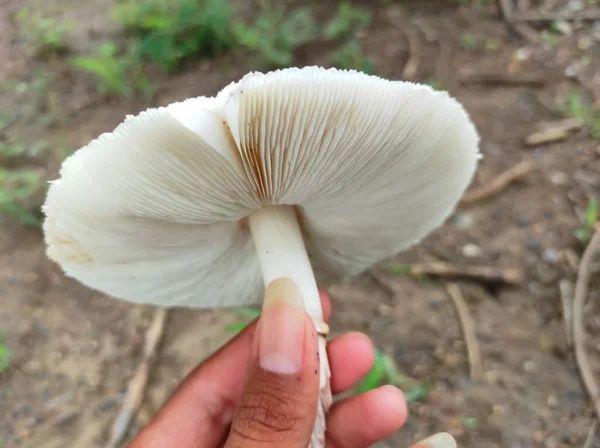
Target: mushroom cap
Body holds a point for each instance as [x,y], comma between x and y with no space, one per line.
[154,212]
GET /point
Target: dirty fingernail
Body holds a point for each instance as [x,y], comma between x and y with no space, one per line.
[281,328]
[439,440]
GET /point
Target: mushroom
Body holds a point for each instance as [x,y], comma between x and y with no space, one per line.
[311,174]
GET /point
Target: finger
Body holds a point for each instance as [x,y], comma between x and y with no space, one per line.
[361,421]
[351,356]
[439,440]
[201,409]
[279,401]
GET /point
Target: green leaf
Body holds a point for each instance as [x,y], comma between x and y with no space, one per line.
[399,269]
[592,213]
[4,358]
[375,376]
[417,393]
[236,327]
[469,422]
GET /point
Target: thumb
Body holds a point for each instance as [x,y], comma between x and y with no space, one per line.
[279,402]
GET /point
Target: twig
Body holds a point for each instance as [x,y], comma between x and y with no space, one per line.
[581,291]
[415,51]
[531,79]
[566,297]
[489,274]
[586,14]
[589,440]
[507,11]
[137,385]
[468,329]
[500,182]
[553,132]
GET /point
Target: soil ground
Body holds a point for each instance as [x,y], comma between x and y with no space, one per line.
[74,350]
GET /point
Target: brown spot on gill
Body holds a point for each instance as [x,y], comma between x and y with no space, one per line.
[72,251]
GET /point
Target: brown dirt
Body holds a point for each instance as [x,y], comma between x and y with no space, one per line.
[73,350]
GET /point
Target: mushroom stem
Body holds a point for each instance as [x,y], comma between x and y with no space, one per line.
[281,253]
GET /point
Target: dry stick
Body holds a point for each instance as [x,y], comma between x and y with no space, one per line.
[500,182]
[137,385]
[589,440]
[507,9]
[566,297]
[553,132]
[532,79]
[468,329]
[491,274]
[414,44]
[587,14]
[581,290]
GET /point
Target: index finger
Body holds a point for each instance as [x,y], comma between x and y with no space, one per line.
[201,409]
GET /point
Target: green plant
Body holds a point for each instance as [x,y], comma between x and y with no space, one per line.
[122,74]
[469,41]
[171,32]
[276,33]
[384,371]
[351,57]
[17,186]
[347,19]
[584,233]
[4,356]
[577,105]
[43,34]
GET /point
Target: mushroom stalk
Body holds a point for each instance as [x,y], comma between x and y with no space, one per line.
[281,253]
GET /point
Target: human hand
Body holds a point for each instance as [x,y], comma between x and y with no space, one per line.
[261,389]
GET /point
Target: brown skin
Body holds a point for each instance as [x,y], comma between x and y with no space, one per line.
[228,400]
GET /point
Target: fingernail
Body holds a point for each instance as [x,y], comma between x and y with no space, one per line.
[439,440]
[281,328]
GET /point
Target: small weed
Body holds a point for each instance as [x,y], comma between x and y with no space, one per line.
[549,38]
[43,35]
[4,357]
[584,233]
[578,106]
[469,41]
[384,371]
[470,423]
[492,44]
[276,33]
[169,33]
[121,74]
[17,186]
[347,19]
[351,57]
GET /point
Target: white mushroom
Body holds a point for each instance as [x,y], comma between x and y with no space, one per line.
[203,203]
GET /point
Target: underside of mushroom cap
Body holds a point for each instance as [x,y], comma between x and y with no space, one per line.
[154,212]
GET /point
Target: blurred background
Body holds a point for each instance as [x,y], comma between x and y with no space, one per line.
[477,324]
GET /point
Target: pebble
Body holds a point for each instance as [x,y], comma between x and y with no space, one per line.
[463,221]
[523,221]
[550,255]
[532,243]
[67,418]
[472,250]
[552,401]
[529,366]
[34,421]
[58,401]
[559,178]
